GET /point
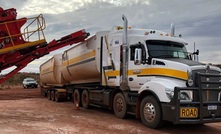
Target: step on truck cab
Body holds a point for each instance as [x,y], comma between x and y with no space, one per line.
[143,72]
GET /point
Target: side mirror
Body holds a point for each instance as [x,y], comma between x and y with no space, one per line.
[195,55]
[197,52]
[137,56]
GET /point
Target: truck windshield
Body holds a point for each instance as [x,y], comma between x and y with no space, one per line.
[166,49]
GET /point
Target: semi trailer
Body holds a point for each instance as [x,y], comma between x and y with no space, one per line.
[143,72]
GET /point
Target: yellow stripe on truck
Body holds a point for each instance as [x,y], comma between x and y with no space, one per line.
[153,71]
[169,72]
[79,58]
[113,73]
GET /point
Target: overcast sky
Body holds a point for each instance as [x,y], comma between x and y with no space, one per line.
[197,21]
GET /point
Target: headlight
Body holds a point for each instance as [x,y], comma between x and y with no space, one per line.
[184,96]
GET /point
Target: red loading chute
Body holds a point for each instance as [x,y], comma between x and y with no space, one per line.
[17,51]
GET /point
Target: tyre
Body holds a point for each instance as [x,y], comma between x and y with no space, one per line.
[85,99]
[53,95]
[120,106]
[42,91]
[57,99]
[150,112]
[49,94]
[76,98]
[44,94]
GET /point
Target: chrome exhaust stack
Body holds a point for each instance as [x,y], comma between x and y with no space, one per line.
[124,76]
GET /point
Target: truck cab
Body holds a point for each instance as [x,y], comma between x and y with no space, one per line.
[170,84]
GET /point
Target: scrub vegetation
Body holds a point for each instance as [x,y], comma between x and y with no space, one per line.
[19,77]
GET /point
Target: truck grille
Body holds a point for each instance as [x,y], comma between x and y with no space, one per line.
[206,98]
[208,83]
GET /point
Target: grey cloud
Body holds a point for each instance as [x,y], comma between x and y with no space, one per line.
[195,23]
[197,20]
[12,3]
[204,27]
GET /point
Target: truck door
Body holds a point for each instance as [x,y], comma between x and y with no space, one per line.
[137,73]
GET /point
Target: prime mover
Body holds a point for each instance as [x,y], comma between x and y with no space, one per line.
[143,72]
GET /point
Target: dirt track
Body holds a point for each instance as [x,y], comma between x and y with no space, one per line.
[25,111]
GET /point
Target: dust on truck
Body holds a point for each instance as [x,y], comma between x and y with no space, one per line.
[143,72]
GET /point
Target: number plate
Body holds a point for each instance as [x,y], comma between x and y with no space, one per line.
[188,112]
[212,107]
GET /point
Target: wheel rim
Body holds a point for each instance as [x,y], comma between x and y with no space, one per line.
[149,112]
[119,105]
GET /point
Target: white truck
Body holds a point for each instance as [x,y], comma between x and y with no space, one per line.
[143,72]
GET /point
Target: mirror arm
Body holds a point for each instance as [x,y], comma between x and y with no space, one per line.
[149,59]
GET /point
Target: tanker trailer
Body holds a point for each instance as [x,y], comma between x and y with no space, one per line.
[51,79]
[79,63]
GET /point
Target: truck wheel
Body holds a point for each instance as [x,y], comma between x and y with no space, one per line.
[56,96]
[120,106]
[44,93]
[150,112]
[76,98]
[49,94]
[85,99]
[53,95]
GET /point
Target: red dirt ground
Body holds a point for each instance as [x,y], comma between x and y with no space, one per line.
[26,111]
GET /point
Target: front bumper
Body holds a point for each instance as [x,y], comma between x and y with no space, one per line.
[172,111]
[206,103]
